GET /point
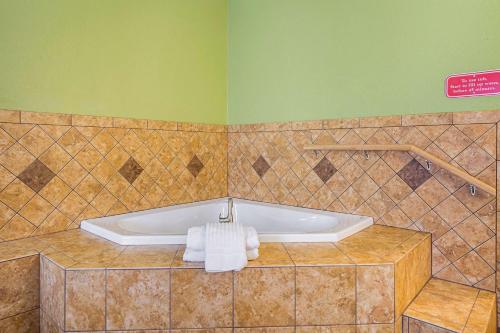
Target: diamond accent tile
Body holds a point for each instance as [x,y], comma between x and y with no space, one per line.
[131,170]
[36,175]
[195,165]
[261,166]
[414,174]
[325,169]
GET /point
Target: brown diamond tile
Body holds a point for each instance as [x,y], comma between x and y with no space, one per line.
[131,170]
[261,166]
[36,175]
[324,169]
[195,166]
[414,174]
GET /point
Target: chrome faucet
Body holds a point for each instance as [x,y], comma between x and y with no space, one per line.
[229,217]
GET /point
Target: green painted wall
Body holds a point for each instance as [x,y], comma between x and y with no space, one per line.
[156,59]
[313,59]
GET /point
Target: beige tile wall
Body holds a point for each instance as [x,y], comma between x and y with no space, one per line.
[267,163]
[58,169]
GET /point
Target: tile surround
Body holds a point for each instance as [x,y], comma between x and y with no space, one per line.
[395,188]
[57,170]
[85,153]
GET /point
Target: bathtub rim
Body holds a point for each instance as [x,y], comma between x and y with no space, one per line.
[172,239]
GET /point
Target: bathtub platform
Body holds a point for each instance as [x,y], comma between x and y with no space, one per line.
[360,284]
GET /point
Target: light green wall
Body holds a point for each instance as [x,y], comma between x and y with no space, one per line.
[313,59]
[156,59]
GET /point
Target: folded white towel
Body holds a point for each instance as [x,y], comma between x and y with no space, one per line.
[225,247]
[196,238]
[199,255]
[193,255]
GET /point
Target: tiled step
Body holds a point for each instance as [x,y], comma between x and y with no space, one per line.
[447,307]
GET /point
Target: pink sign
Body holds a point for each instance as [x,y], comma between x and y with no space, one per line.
[473,84]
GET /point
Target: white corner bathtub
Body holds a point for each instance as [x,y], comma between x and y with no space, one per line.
[274,223]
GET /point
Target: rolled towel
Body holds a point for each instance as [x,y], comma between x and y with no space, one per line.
[252,241]
[196,238]
[253,254]
[199,255]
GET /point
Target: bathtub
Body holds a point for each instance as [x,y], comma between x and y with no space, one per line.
[274,223]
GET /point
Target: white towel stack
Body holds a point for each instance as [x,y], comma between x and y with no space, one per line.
[223,246]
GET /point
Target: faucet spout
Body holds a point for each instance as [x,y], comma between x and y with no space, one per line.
[229,217]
